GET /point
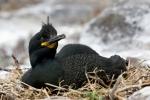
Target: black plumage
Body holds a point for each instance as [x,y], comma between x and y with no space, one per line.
[76,66]
[74,49]
[38,53]
[70,64]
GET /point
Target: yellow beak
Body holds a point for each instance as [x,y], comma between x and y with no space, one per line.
[47,44]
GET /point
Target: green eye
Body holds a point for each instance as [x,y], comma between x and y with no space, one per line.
[44,35]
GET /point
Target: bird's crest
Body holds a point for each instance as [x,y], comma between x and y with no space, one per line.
[48,28]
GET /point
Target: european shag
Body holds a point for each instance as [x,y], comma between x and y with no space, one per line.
[69,65]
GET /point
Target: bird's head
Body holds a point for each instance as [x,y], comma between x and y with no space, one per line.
[43,45]
[118,62]
[49,37]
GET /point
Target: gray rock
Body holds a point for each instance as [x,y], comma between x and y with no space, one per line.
[56,98]
[75,11]
[117,27]
[143,94]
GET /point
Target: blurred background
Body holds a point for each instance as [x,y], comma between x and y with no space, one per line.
[108,26]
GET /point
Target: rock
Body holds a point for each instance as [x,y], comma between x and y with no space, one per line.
[134,62]
[118,27]
[57,98]
[76,11]
[5,59]
[112,27]
[8,5]
[4,75]
[143,94]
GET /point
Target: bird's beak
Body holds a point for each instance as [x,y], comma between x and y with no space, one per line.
[53,40]
[56,38]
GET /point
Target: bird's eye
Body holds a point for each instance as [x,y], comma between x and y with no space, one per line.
[42,38]
[45,37]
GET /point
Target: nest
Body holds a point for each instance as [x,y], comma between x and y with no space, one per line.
[135,79]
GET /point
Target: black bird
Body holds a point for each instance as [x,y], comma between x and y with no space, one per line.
[70,64]
[45,67]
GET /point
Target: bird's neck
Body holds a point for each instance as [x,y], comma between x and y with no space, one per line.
[41,55]
[37,53]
